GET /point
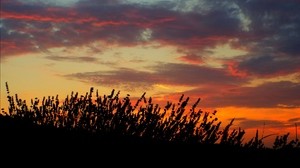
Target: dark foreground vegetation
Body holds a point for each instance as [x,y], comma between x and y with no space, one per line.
[105,122]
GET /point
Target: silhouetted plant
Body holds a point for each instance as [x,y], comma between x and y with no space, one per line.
[235,138]
[255,142]
[110,114]
[281,142]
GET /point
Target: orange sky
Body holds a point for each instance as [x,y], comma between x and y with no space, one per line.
[240,57]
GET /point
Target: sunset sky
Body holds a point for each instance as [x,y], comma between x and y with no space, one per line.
[241,57]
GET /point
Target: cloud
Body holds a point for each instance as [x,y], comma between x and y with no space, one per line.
[268,66]
[239,119]
[246,124]
[216,87]
[73,59]
[198,31]
[125,78]
[64,3]
[273,37]
[289,38]
[270,95]
[189,25]
[297,119]
[192,59]
[61,26]
[193,75]
[113,22]
[267,30]
[170,74]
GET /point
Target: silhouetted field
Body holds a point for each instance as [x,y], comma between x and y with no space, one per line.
[113,126]
[23,137]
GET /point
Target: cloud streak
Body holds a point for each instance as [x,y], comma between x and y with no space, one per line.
[216,87]
[268,66]
[246,124]
[170,74]
[73,59]
[268,95]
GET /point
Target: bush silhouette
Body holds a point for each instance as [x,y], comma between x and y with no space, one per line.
[116,117]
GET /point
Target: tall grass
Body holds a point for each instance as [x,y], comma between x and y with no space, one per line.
[110,114]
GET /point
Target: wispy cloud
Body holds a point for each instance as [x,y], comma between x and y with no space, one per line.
[269,95]
[297,119]
[170,74]
[246,124]
[268,65]
[73,59]
[192,59]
